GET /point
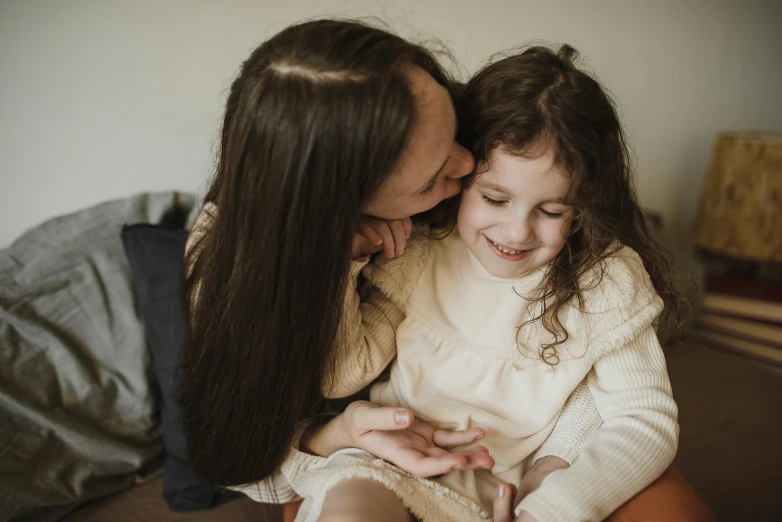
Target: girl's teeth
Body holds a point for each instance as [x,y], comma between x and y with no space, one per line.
[501,249]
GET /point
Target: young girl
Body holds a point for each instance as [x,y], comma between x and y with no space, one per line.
[550,276]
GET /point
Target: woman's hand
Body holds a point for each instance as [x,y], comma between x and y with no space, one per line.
[396,436]
[374,235]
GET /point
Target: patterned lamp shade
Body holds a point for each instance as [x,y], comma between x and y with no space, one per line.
[740,210]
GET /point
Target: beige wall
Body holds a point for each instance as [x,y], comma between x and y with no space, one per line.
[101,99]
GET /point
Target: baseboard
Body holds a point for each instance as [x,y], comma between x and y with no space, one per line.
[724,304]
[744,347]
[761,332]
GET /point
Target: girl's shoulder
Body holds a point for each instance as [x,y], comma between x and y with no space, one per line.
[620,277]
[619,298]
[398,276]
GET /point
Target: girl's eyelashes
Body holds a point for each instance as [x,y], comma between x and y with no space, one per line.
[499,203]
[493,202]
[552,215]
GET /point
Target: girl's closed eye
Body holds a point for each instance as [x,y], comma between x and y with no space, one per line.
[493,202]
[552,215]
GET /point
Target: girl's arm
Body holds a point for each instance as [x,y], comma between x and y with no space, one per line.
[634,446]
[577,422]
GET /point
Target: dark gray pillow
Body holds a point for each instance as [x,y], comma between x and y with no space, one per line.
[155,255]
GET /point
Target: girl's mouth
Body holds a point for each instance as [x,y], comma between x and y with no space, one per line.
[506,253]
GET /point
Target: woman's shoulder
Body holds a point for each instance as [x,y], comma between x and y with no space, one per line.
[201,226]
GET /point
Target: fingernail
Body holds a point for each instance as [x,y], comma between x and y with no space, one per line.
[399,252]
[501,491]
[401,417]
[378,241]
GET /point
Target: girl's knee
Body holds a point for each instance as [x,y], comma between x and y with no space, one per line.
[361,500]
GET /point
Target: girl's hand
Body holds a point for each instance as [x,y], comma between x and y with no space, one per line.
[374,235]
[507,497]
[503,506]
[396,436]
[533,478]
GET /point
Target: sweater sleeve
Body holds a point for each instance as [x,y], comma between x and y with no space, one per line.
[629,382]
[272,490]
[637,442]
[366,342]
[577,422]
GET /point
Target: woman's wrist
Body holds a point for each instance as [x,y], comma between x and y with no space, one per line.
[326,439]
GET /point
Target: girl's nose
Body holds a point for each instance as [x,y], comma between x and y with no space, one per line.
[518,231]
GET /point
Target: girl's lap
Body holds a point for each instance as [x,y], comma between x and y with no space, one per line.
[360,499]
[355,485]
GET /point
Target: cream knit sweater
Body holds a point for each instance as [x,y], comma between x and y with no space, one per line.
[460,365]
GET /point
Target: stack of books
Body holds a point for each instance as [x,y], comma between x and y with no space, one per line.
[743,316]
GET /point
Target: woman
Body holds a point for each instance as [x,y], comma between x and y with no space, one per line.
[328,123]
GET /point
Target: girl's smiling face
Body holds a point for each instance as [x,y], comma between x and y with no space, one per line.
[514,217]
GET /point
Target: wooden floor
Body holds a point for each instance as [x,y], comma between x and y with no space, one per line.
[730,412]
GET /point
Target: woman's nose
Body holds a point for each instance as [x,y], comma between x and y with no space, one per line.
[461,164]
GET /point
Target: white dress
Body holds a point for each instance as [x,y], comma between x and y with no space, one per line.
[462,361]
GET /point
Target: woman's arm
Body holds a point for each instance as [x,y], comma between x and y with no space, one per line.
[366,341]
[635,444]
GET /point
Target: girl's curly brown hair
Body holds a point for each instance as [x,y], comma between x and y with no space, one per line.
[536,99]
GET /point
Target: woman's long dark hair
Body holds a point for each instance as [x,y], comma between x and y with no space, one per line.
[317,119]
[539,98]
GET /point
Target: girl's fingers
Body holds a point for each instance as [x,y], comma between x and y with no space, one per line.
[423,466]
[365,230]
[451,439]
[478,458]
[474,458]
[397,228]
[503,503]
[392,234]
[408,225]
[363,246]
[382,228]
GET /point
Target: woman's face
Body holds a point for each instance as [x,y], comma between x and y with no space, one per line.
[433,162]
